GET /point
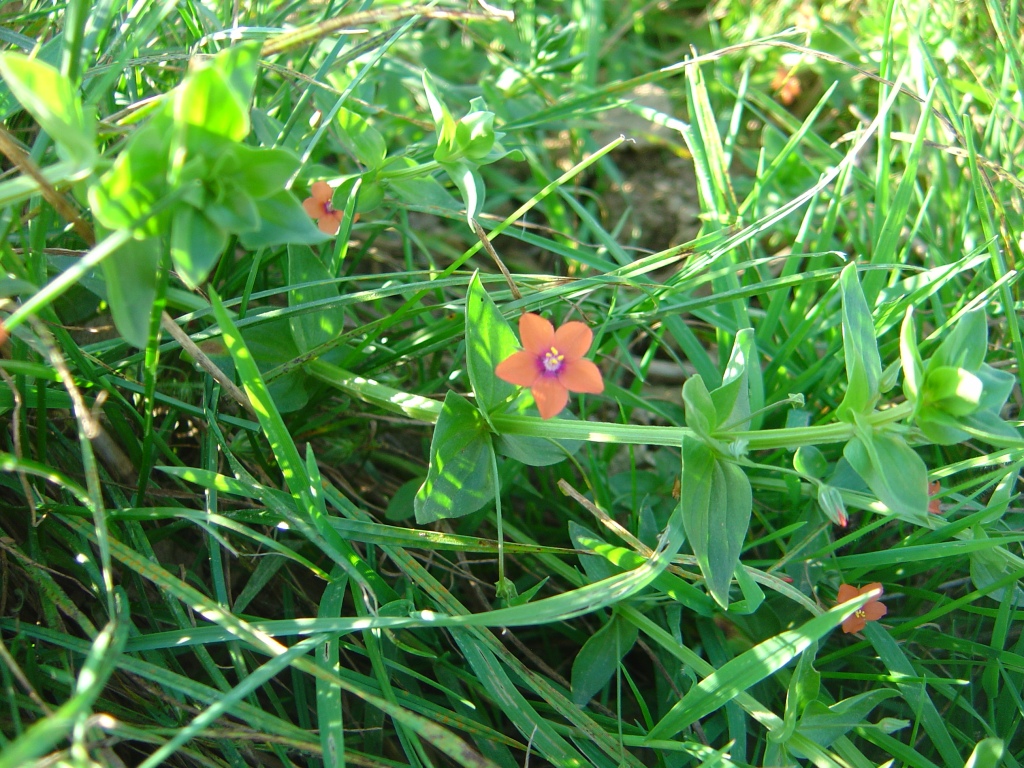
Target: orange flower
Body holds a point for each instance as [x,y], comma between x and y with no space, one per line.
[934,506]
[319,208]
[552,363]
[872,610]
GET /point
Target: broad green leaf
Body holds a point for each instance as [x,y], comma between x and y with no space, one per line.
[534,451]
[460,479]
[424,191]
[311,282]
[893,471]
[489,340]
[594,566]
[810,461]
[282,221]
[258,172]
[701,415]
[987,754]
[955,391]
[732,399]
[991,565]
[804,686]
[597,660]
[196,244]
[131,277]
[863,364]
[965,346]
[470,185]
[474,133]
[824,725]
[361,139]
[738,675]
[50,98]
[239,65]
[910,356]
[716,504]
[206,101]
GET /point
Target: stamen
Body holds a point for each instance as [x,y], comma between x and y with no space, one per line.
[553,360]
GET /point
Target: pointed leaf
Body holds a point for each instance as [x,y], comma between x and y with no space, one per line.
[460,478]
[489,340]
[863,364]
[716,504]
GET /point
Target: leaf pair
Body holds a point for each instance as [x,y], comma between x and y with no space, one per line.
[715,492]
[460,479]
[186,183]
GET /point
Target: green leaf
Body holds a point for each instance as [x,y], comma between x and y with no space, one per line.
[536,451]
[955,391]
[474,133]
[732,399]
[965,346]
[258,172]
[804,686]
[206,101]
[126,194]
[863,364]
[599,658]
[701,415]
[312,283]
[991,565]
[810,461]
[987,754]
[471,186]
[459,480]
[360,139]
[239,65]
[489,340]
[282,221]
[196,244]
[823,725]
[424,191]
[910,356]
[131,276]
[893,472]
[51,99]
[738,675]
[716,504]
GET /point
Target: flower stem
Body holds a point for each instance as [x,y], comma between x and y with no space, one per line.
[427,410]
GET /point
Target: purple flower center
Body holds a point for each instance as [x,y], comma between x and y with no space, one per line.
[328,208]
[552,361]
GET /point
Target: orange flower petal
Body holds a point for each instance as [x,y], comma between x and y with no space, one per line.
[870,588]
[550,396]
[329,224]
[322,192]
[846,593]
[581,376]
[874,610]
[536,333]
[314,207]
[573,340]
[854,624]
[520,369]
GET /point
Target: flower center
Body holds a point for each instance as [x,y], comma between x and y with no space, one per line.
[553,361]
[860,614]
[328,208]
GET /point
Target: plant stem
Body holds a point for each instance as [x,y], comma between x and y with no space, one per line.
[424,409]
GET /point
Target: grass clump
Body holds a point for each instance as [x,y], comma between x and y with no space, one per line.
[266,501]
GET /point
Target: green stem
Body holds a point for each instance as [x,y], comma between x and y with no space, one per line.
[424,409]
[411,172]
